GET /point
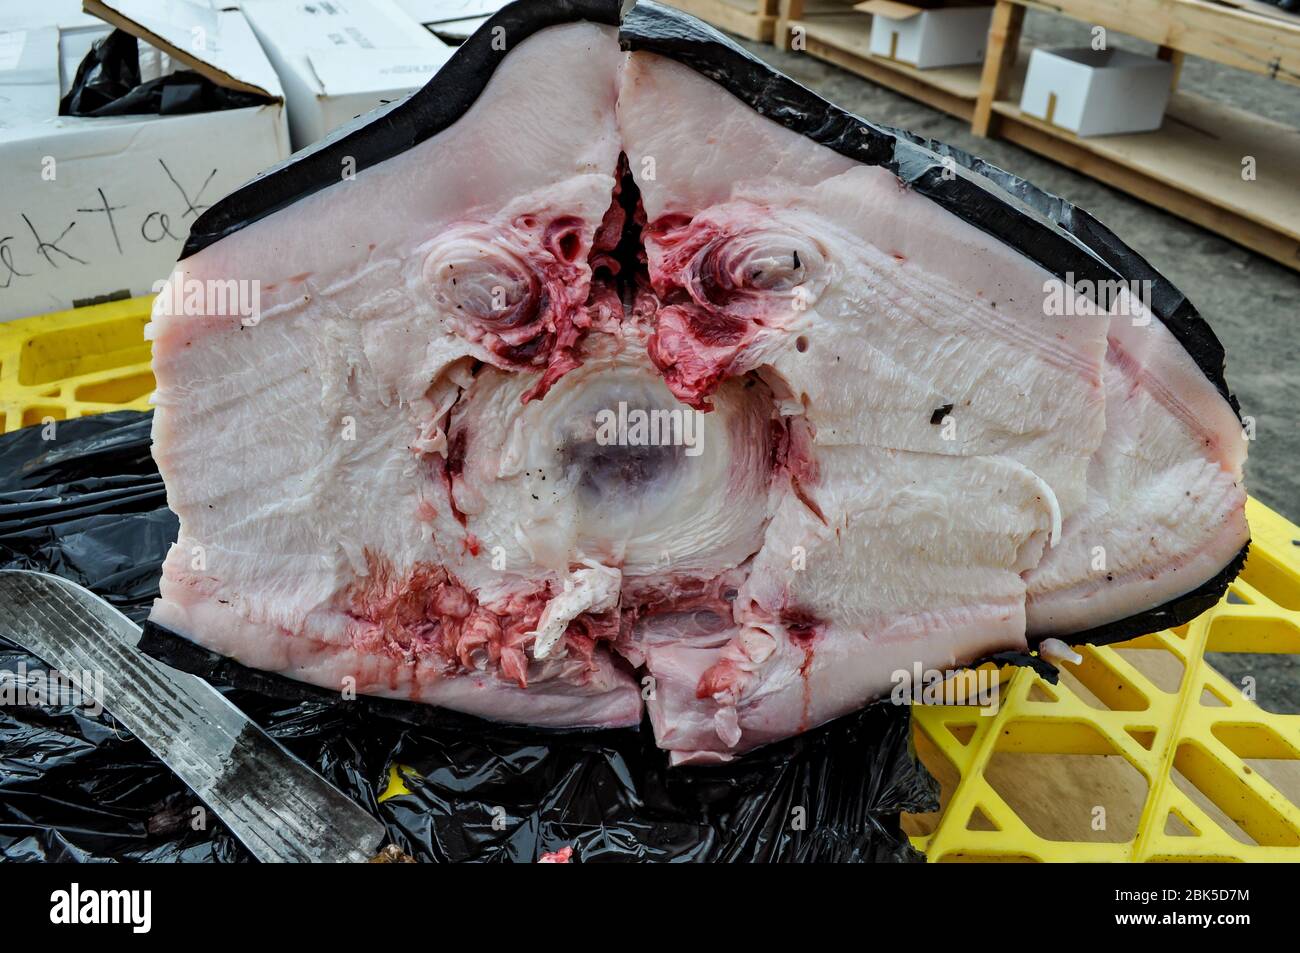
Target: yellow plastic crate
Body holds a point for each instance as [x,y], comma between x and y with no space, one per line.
[72,363]
[1143,752]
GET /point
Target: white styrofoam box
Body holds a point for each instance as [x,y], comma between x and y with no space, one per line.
[29,76]
[452,20]
[93,208]
[928,37]
[1097,92]
[447,11]
[338,59]
[57,13]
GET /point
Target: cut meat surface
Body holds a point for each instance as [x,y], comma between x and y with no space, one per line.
[1166,504]
[922,552]
[616,376]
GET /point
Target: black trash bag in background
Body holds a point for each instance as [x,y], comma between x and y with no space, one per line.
[75,786]
[108,83]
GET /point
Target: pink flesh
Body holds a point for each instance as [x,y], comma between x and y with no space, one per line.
[390,483]
[1162,520]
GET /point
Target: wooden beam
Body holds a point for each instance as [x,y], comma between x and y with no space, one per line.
[787,12]
[1003,45]
[1267,45]
[1175,57]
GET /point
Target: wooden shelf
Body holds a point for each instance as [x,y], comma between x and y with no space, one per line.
[810,9]
[843,39]
[1191,166]
[1268,45]
[752,19]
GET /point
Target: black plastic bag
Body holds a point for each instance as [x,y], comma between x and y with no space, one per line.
[90,506]
[108,83]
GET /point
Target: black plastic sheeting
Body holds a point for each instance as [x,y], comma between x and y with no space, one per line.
[108,83]
[75,786]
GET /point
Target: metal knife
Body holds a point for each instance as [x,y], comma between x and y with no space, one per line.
[278,807]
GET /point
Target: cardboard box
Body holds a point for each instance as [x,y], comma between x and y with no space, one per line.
[928,36]
[98,208]
[338,59]
[1097,92]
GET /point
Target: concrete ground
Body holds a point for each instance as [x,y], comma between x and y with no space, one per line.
[1252,303]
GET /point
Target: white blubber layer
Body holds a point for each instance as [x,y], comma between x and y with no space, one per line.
[418,473]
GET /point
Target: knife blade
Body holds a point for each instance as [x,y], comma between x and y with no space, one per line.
[277,806]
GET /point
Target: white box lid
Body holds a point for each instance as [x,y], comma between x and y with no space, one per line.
[215,43]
